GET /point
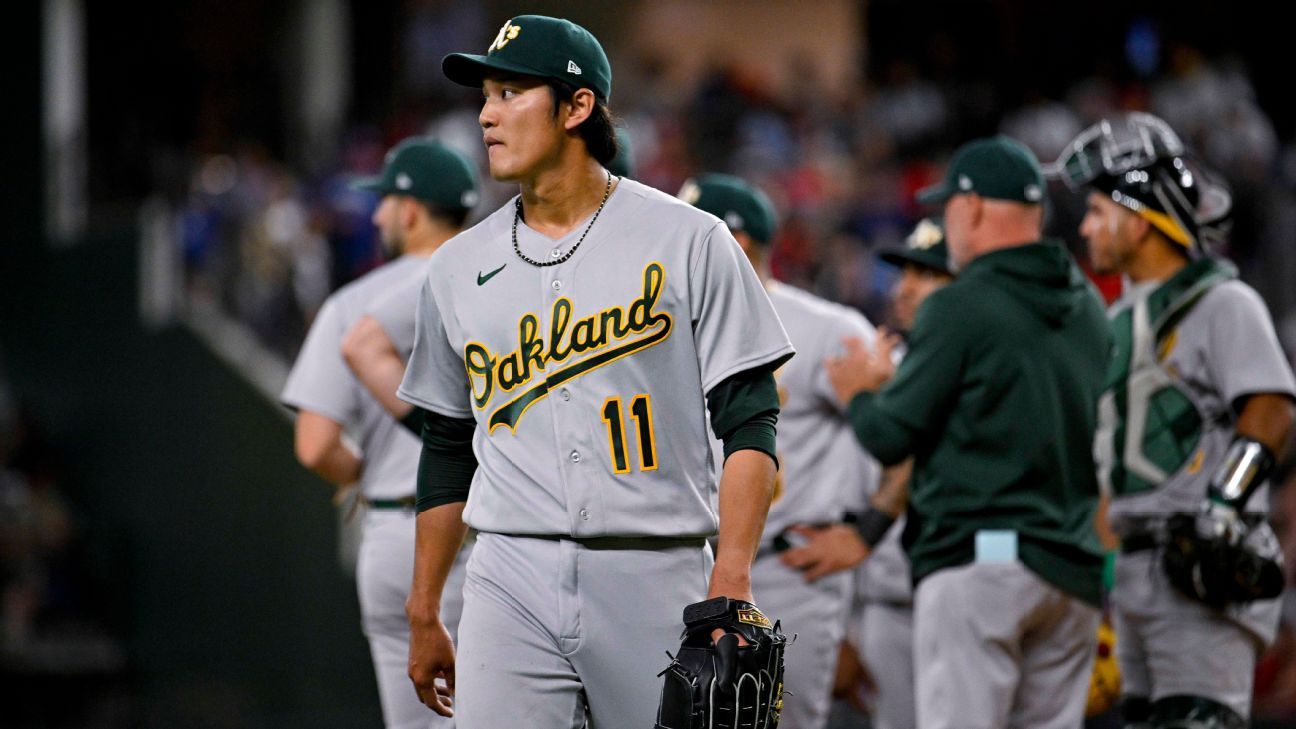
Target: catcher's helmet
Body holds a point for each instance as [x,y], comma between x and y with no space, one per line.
[1139,161]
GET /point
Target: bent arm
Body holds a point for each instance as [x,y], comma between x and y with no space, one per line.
[318,444]
[372,356]
[1268,418]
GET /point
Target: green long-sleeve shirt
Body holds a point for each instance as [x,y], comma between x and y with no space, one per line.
[996,400]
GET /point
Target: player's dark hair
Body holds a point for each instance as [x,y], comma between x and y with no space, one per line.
[455,217]
[598,130]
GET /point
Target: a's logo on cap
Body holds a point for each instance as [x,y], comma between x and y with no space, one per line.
[1034,193]
[403,181]
[506,34]
[468,198]
[573,68]
[690,192]
[926,235]
[734,220]
[965,183]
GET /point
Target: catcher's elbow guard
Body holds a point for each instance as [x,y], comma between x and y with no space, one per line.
[1247,464]
[723,685]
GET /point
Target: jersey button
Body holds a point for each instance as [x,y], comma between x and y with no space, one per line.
[584,513]
[565,394]
[555,253]
[575,457]
[556,285]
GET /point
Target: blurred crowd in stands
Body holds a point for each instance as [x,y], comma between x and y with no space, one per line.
[268,244]
[56,627]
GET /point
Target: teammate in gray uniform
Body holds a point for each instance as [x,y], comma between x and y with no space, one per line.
[823,466]
[882,627]
[1197,407]
[563,349]
[427,191]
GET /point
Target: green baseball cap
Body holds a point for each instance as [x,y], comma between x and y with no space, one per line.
[425,169]
[740,205]
[995,167]
[537,45]
[925,247]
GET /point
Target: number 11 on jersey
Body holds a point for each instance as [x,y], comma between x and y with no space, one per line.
[614,419]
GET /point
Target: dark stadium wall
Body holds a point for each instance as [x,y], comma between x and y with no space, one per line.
[215,553]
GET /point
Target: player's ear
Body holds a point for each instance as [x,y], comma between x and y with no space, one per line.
[409,212]
[976,210]
[1138,226]
[579,108]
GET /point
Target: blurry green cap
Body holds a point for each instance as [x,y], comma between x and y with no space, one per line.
[995,167]
[740,205]
[425,169]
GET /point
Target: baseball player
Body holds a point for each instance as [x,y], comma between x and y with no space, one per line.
[882,627]
[1198,407]
[995,400]
[567,351]
[823,467]
[427,192]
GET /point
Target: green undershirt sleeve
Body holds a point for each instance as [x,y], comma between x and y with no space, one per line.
[744,412]
[447,464]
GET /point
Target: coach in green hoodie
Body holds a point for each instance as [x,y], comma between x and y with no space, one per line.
[996,400]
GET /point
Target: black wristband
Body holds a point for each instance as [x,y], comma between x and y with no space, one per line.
[873,524]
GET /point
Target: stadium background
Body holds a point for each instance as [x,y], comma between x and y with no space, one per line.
[177,209]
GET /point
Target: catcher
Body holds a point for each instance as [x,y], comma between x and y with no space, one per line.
[1196,410]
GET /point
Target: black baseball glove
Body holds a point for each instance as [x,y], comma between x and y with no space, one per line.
[724,685]
[1221,566]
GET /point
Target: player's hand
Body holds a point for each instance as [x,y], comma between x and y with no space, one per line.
[860,369]
[827,550]
[431,657]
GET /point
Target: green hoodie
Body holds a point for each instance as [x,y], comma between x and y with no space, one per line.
[997,401]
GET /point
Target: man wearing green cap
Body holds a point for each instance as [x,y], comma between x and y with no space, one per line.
[996,402]
[566,353]
[427,192]
[802,575]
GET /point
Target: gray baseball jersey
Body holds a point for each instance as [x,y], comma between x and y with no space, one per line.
[586,378]
[321,382]
[824,470]
[1224,348]
[824,473]
[397,313]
